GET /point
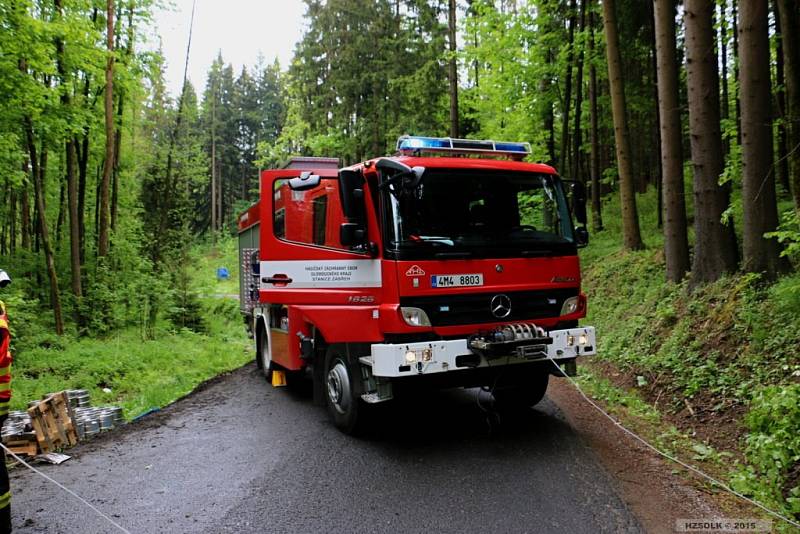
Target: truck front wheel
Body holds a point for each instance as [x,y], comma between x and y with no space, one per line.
[342,388]
[523,393]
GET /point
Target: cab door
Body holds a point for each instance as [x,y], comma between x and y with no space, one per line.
[306,270]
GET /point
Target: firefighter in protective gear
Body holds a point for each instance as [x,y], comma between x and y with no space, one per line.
[5,398]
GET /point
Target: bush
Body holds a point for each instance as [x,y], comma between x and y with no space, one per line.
[773,448]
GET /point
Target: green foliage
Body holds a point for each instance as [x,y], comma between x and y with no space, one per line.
[364,73]
[721,347]
[788,234]
[186,310]
[140,374]
[238,115]
[142,371]
[773,448]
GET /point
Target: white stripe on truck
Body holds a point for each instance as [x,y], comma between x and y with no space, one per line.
[334,274]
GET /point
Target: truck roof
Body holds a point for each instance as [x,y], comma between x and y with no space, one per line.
[468,163]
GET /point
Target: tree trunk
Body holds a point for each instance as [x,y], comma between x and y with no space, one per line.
[74,224]
[632,239]
[120,114]
[577,140]
[83,164]
[214,165]
[62,204]
[790,29]
[83,172]
[723,60]
[714,253]
[108,166]
[594,163]
[12,245]
[782,163]
[25,216]
[115,171]
[659,174]
[564,153]
[548,120]
[38,184]
[72,188]
[736,79]
[676,244]
[4,232]
[69,147]
[453,68]
[761,255]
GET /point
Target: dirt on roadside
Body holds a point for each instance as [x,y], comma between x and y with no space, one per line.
[657,491]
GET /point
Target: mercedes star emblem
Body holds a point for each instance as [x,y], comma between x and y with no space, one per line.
[500,306]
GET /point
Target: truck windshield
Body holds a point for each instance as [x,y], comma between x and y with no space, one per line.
[465,213]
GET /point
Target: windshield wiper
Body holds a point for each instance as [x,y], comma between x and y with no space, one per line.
[536,253]
[440,240]
[452,255]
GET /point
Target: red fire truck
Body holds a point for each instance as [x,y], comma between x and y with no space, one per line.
[451,264]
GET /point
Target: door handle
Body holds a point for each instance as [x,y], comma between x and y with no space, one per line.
[277,279]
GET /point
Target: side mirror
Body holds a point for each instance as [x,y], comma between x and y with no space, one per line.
[4,279]
[385,164]
[398,176]
[351,194]
[352,234]
[581,236]
[579,202]
[304,182]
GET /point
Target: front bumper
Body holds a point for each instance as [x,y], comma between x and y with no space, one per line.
[430,357]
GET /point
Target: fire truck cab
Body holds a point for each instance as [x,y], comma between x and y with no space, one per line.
[451,264]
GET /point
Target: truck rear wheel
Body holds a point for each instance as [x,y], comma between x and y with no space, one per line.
[523,393]
[263,354]
[342,387]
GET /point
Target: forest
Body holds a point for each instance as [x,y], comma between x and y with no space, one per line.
[105,172]
[686,114]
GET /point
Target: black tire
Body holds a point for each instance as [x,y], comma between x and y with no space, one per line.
[342,389]
[263,355]
[524,393]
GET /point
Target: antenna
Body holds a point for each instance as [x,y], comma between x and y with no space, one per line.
[188,49]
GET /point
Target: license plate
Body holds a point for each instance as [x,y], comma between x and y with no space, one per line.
[456,280]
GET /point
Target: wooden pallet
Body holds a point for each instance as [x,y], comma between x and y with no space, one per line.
[52,423]
[29,448]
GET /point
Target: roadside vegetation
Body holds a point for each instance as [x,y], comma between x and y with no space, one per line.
[113,187]
[710,373]
[137,366]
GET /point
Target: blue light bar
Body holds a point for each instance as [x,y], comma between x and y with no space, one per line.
[410,145]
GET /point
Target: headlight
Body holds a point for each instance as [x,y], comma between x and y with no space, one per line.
[570,306]
[580,340]
[415,317]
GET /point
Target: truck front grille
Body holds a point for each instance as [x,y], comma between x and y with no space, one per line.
[474,308]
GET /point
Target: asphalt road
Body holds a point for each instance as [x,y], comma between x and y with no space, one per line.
[239,456]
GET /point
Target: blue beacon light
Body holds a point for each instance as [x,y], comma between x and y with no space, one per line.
[414,144]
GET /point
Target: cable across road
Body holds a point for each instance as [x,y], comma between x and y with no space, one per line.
[591,402]
[671,458]
[81,499]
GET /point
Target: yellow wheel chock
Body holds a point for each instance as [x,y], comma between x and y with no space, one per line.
[278,378]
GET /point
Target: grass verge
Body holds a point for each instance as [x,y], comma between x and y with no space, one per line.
[143,373]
